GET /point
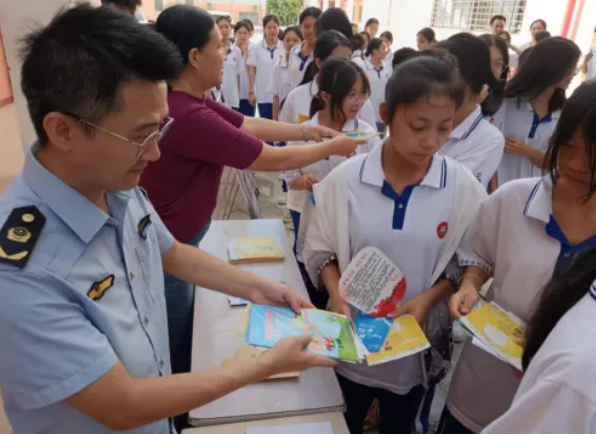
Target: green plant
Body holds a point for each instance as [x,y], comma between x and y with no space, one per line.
[287,11]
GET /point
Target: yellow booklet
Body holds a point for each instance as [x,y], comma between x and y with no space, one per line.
[250,250]
[405,338]
[497,329]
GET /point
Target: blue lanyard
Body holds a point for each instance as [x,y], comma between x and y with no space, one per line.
[303,60]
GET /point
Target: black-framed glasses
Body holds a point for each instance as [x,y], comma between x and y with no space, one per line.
[157,135]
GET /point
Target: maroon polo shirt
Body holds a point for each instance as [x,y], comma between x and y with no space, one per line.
[184,183]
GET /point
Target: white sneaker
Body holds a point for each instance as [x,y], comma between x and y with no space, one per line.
[282,200]
[281,177]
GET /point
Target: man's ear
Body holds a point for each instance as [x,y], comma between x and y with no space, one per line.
[62,130]
[384,112]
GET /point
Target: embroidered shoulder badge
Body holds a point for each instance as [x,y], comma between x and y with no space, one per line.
[144,226]
[98,289]
[20,234]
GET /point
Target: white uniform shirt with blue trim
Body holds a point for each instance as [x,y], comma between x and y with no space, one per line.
[358,59]
[279,85]
[297,65]
[244,75]
[477,145]
[296,107]
[378,78]
[409,228]
[592,65]
[321,169]
[557,394]
[263,58]
[55,339]
[522,122]
[232,70]
[516,239]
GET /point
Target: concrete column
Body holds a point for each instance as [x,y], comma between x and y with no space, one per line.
[350,9]
[16,19]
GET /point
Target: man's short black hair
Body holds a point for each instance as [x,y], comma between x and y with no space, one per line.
[78,63]
[497,17]
[127,4]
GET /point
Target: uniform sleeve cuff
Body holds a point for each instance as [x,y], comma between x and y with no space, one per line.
[59,392]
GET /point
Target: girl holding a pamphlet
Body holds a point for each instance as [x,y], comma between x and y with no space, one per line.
[526,232]
[414,206]
[342,90]
[279,85]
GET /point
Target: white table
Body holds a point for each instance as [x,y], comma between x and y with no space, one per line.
[215,338]
[337,422]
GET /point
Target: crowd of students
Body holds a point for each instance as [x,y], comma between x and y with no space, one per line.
[476,169]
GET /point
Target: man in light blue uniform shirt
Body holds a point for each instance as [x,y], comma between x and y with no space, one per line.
[84,342]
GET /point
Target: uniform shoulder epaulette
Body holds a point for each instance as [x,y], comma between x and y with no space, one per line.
[20,234]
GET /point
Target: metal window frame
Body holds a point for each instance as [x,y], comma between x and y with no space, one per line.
[475,15]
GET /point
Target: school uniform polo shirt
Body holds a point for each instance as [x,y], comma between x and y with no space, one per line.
[279,85]
[297,65]
[592,65]
[232,70]
[516,239]
[409,228]
[296,108]
[263,59]
[321,169]
[244,75]
[92,293]
[378,78]
[522,122]
[557,394]
[477,145]
[358,59]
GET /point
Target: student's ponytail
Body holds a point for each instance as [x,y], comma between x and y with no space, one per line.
[324,47]
[565,289]
[316,105]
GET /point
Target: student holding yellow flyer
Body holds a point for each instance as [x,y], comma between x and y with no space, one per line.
[411,204]
[526,232]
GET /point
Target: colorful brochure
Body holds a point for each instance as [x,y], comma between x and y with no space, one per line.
[362,134]
[405,338]
[333,336]
[372,283]
[249,250]
[372,331]
[498,330]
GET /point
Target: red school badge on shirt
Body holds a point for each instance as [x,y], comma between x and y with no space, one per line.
[442,230]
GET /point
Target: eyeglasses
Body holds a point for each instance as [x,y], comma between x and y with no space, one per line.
[360,97]
[157,135]
[500,66]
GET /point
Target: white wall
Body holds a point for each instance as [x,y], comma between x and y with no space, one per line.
[16,19]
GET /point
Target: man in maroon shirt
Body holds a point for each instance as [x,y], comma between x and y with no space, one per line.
[205,137]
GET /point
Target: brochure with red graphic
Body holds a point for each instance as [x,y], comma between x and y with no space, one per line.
[372,283]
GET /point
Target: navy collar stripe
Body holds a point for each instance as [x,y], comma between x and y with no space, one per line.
[593,291]
[444,174]
[473,127]
[532,195]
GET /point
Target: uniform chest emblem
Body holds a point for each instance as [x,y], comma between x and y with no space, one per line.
[442,230]
[19,235]
[98,289]
[144,226]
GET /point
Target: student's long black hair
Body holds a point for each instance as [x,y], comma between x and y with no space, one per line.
[424,76]
[375,44]
[335,19]
[579,114]
[547,64]
[568,287]
[473,58]
[501,45]
[325,45]
[561,294]
[336,78]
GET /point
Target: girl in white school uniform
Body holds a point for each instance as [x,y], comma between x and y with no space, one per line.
[378,74]
[296,107]
[526,232]
[411,203]
[533,102]
[342,90]
[261,60]
[302,55]
[233,64]
[474,142]
[279,86]
[242,31]
[358,47]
